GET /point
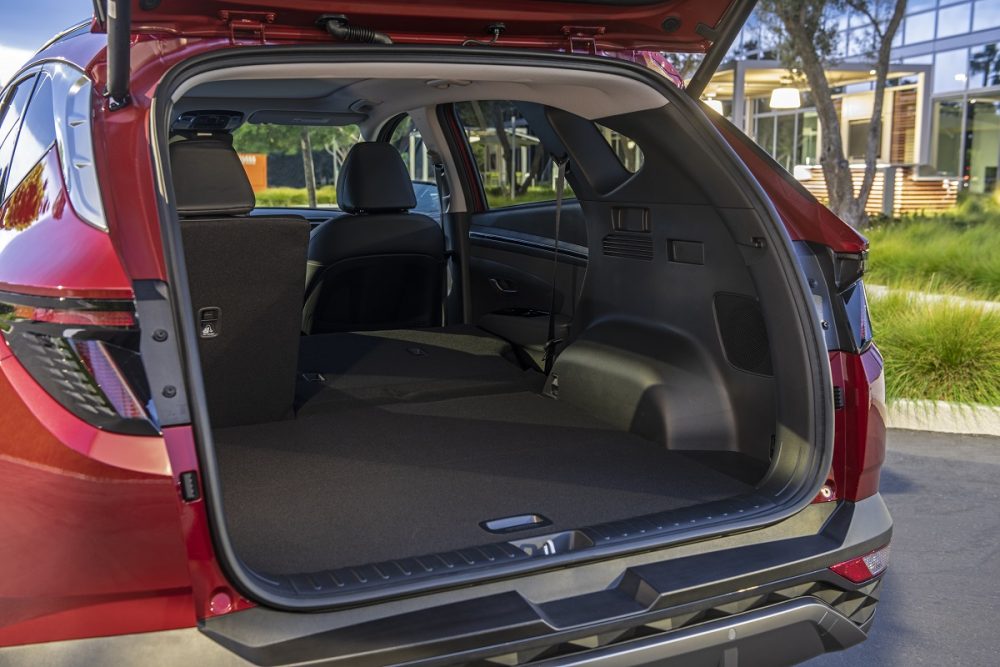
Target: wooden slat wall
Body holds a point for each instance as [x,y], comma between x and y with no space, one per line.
[904,126]
[817,186]
[929,194]
[911,195]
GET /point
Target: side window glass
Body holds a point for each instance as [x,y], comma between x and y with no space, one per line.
[513,164]
[9,123]
[38,133]
[626,150]
[407,140]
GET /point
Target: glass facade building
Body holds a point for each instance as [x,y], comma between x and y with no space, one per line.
[953,47]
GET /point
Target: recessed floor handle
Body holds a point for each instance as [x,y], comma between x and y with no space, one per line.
[509,524]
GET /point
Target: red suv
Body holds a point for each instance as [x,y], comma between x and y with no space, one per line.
[598,388]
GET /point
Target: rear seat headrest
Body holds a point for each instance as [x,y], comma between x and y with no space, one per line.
[209,178]
[374,179]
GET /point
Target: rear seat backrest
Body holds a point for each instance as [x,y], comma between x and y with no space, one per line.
[245,276]
[380,265]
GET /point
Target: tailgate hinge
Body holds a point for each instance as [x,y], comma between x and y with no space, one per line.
[247,22]
[582,39]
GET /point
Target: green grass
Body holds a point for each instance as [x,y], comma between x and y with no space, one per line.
[500,197]
[942,351]
[958,250]
[326,195]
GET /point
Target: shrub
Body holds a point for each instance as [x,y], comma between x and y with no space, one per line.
[959,249]
[282,197]
[947,351]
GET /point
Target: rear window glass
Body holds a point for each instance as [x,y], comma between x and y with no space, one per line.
[514,166]
[281,160]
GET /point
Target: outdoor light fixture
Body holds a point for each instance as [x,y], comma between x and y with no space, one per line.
[786,98]
[714,104]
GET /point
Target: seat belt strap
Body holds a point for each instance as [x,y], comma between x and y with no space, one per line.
[553,342]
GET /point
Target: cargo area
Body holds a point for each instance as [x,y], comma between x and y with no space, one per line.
[414,444]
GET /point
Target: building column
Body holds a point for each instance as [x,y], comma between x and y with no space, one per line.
[739,97]
[925,116]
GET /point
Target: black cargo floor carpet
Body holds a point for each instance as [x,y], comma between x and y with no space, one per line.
[359,482]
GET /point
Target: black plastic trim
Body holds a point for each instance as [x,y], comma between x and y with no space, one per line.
[811,467]
[500,239]
[161,352]
[722,35]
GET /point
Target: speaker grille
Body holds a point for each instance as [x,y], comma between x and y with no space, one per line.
[743,333]
[630,246]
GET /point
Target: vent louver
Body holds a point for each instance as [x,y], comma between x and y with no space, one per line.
[628,245]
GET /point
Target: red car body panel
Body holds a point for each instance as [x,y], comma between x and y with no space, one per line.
[83,263]
[213,594]
[672,25]
[804,217]
[859,439]
[91,547]
[131,556]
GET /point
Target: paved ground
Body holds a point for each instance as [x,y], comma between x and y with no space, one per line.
[941,598]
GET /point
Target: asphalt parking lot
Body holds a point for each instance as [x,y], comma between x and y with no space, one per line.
[941,598]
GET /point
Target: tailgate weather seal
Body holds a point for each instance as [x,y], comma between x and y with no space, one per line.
[811,467]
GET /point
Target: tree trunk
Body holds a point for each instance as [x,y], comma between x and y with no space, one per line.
[308,169]
[333,148]
[505,147]
[875,129]
[836,168]
[534,171]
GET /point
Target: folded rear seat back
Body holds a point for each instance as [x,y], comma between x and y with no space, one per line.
[246,277]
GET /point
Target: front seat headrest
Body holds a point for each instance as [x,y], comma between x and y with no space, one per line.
[374,179]
[209,179]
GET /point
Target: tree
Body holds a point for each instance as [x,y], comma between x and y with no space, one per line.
[308,169]
[806,31]
[986,61]
[298,140]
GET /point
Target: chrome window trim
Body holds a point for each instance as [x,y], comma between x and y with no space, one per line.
[72,94]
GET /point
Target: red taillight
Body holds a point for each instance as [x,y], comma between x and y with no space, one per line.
[85,354]
[864,568]
[74,317]
[97,358]
[860,431]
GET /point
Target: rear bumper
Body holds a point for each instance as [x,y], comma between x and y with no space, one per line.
[760,598]
[783,634]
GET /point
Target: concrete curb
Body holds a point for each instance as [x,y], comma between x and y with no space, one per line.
[942,417]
